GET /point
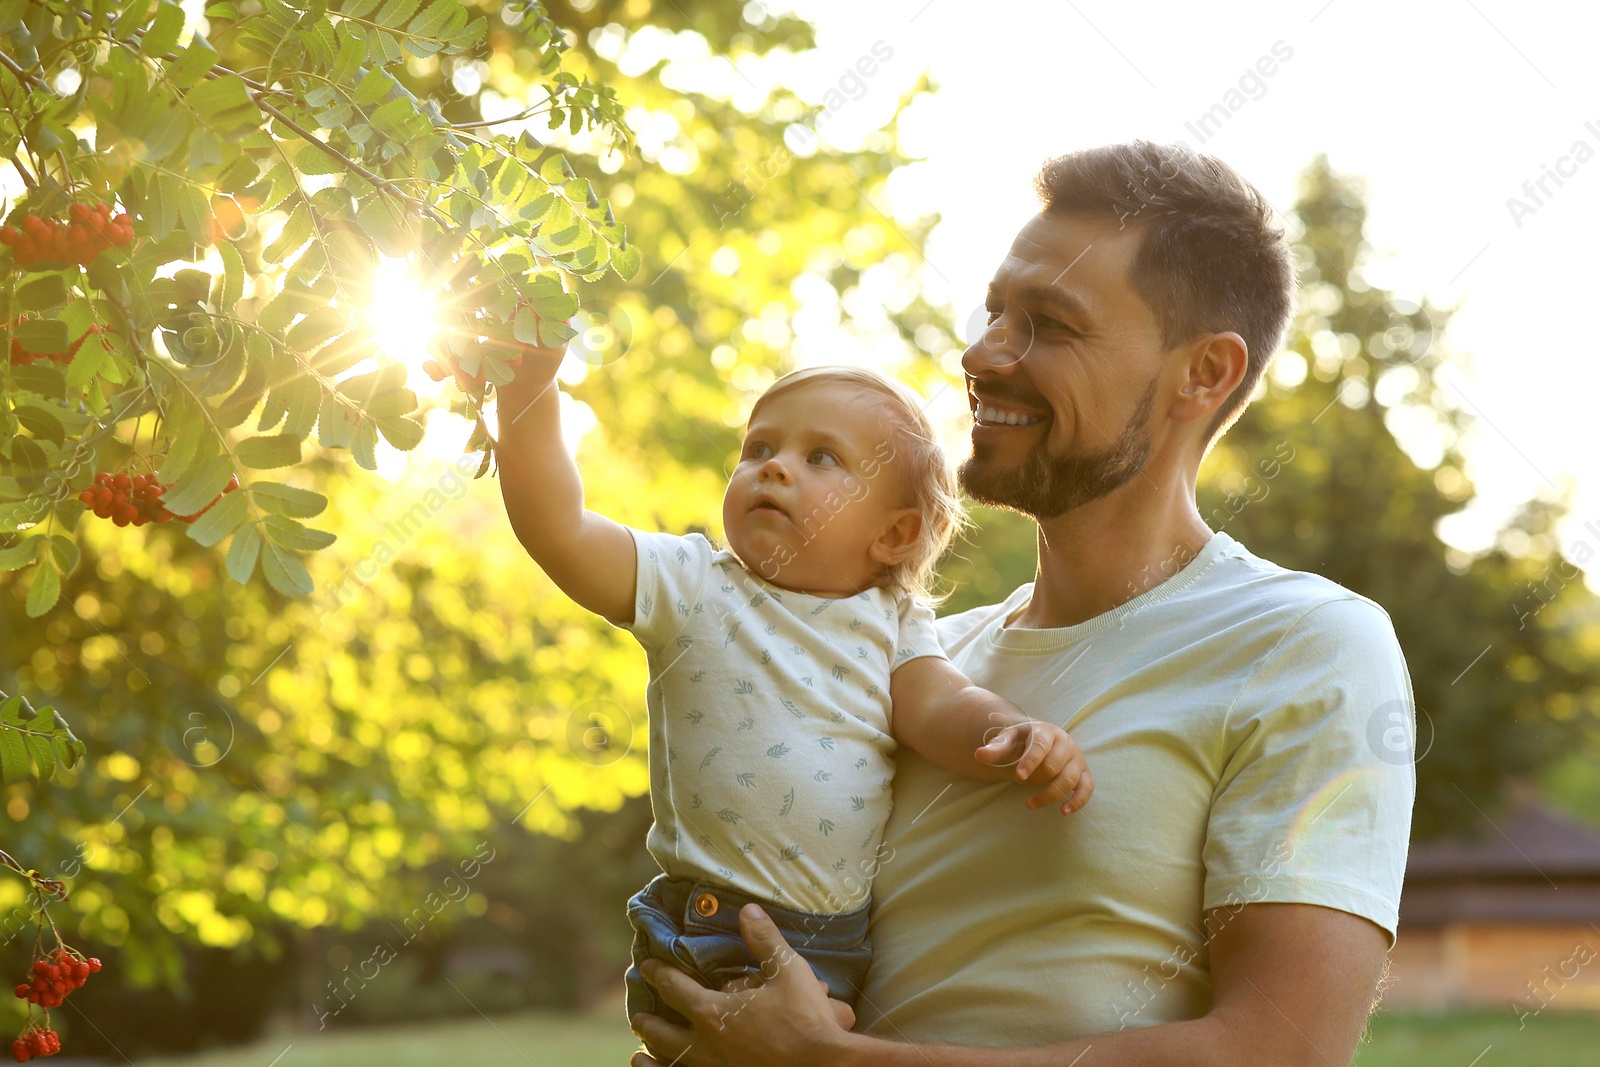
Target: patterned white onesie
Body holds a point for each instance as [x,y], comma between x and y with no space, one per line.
[769,715]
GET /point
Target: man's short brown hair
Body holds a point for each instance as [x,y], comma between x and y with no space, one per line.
[1210,258]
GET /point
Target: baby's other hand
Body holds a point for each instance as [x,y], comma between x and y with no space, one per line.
[1045,755]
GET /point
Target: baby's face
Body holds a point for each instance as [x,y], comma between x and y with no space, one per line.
[817,484]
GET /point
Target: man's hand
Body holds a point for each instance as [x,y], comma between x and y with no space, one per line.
[784,1019]
[1047,756]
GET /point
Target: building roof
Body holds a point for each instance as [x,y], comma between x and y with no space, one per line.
[1526,841]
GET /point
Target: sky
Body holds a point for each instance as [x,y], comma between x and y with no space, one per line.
[1445,109]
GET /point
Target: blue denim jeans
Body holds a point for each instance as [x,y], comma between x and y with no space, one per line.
[694,926]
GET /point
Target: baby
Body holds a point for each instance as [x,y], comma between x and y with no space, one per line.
[784,669]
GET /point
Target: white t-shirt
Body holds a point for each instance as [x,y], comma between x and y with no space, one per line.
[770,731]
[1248,731]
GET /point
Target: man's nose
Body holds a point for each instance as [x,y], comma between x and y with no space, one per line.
[1002,344]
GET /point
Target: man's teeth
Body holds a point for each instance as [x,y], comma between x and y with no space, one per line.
[1008,418]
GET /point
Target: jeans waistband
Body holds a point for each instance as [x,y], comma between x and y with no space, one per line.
[709,907]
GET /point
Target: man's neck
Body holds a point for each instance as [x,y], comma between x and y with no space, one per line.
[1100,556]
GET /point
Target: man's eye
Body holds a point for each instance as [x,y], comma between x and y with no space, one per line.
[822,457]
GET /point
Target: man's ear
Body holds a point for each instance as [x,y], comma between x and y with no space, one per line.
[1213,369]
[898,538]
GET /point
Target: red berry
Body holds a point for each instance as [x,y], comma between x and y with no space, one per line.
[19,1051]
[94,963]
[22,991]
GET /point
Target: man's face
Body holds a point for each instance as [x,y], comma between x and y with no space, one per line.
[1063,382]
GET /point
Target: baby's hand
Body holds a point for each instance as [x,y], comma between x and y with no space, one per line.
[1045,755]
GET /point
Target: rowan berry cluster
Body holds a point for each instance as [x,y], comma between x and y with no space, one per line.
[55,977]
[21,357]
[136,499]
[38,1041]
[48,243]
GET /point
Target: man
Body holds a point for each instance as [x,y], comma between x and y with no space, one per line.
[1230,895]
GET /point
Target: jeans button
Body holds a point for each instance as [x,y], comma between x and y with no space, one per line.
[705,905]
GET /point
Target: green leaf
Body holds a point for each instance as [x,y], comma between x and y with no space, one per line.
[164,31]
[364,445]
[280,499]
[65,551]
[396,13]
[401,432]
[316,329]
[295,233]
[94,360]
[284,571]
[220,519]
[47,336]
[290,534]
[20,554]
[432,21]
[195,210]
[192,63]
[232,276]
[161,204]
[14,762]
[200,487]
[242,553]
[44,755]
[395,118]
[352,52]
[626,261]
[224,104]
[374,87]
[267,453]
[45,590]
[42,294]
[553,333]
[525,327]
[41,422]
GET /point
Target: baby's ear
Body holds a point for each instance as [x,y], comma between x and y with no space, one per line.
[898,538]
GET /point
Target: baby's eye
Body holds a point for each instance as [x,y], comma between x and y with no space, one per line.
[756,450]
[822,457]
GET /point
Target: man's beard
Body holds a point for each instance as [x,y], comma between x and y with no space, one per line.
[1045,486]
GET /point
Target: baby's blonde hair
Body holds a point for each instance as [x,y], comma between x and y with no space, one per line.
[935,491]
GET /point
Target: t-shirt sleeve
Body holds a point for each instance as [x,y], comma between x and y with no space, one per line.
[673,571]
[918,635]
[1314,802]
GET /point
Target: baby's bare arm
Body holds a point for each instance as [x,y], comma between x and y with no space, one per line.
[941,716]
[947,720]
[590,557]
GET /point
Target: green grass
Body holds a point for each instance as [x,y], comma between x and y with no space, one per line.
[600,1040]
[1553,1039]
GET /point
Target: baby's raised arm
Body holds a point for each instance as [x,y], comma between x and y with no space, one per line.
[590,557]
[947,720]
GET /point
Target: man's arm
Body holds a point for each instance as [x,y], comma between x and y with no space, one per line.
[590,557]
[947,720]
[1292,985]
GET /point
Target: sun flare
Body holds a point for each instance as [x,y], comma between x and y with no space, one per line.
[402,315]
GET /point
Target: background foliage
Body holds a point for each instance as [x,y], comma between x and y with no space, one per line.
[273,784]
